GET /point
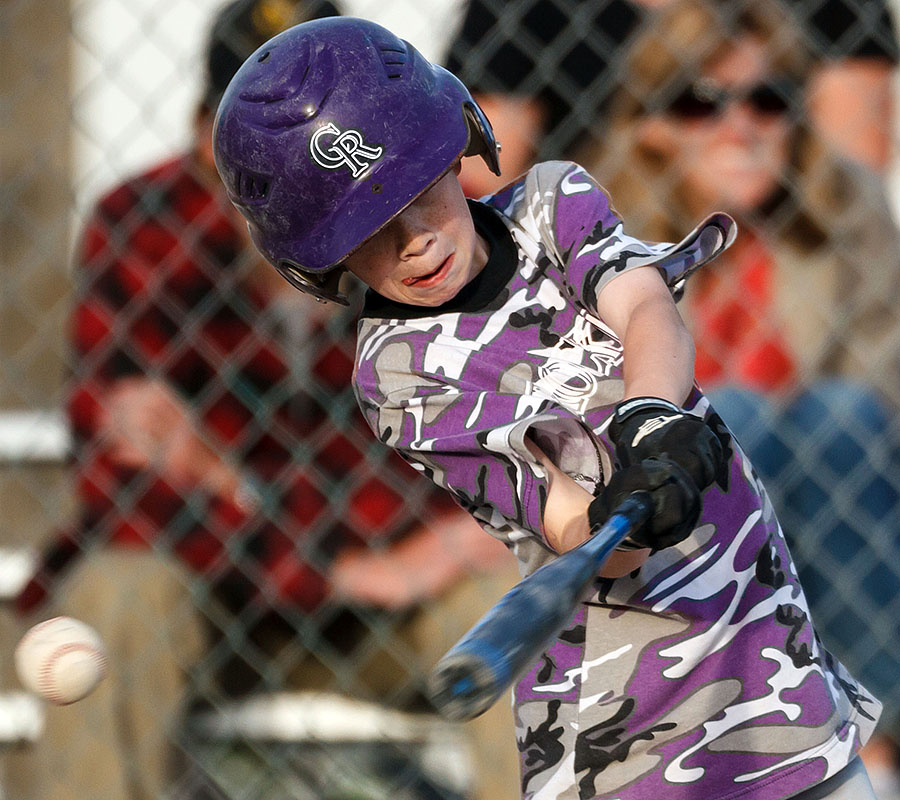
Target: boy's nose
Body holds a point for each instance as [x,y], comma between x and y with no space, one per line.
[416,238]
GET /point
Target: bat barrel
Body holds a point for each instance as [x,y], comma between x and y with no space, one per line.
[464,685]
[513,634]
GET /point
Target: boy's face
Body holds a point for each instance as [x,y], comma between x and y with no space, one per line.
[426,254]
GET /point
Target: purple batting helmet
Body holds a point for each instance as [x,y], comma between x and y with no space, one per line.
[331,129]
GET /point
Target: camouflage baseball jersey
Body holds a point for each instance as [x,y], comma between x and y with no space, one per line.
[699,675]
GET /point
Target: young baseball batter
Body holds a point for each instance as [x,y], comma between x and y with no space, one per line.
[525,353]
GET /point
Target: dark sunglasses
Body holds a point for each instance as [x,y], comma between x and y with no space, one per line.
[704,99]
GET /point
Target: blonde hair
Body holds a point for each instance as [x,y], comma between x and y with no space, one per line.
[678,41]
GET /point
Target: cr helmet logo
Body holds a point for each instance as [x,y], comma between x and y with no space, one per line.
[332,148]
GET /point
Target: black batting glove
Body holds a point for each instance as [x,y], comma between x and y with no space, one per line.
[675,498]
[648,427]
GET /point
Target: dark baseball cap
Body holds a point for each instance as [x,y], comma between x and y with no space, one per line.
[241,27]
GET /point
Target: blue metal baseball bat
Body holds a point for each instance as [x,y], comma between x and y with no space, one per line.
[511,636]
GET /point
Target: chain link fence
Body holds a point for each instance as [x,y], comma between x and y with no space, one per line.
[181,460]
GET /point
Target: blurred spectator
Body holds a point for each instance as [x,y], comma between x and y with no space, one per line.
[543,71]
[851,88]
[539,69]
[215,423]
[797,327]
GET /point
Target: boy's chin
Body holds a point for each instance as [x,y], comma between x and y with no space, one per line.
[431,302]
[429,299]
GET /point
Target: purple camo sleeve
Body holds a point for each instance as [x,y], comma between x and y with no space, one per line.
[594,248]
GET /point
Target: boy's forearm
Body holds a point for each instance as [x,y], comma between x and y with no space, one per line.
[659,353]
[566,519]
[658,349]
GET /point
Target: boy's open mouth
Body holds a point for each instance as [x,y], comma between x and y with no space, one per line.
[432,277]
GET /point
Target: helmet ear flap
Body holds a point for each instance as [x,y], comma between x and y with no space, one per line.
[481,137]
[323,286]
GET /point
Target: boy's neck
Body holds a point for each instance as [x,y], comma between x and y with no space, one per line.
[481,255]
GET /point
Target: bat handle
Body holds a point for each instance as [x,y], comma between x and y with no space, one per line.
[629,515]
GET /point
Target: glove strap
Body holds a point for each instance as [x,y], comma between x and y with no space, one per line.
[636,405]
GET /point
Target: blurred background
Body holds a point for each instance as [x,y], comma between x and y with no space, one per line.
[181,461]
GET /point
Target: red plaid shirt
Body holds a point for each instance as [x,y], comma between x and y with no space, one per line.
[158,297]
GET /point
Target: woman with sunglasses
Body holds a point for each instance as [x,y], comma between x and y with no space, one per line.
[797,326]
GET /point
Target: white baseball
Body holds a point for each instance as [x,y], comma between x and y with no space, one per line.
[61,659]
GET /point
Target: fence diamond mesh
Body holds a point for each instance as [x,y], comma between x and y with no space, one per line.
[182,462]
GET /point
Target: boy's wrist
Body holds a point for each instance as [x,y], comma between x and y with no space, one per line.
[652,427]
[640,405]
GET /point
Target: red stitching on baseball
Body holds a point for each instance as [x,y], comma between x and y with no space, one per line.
[45,676]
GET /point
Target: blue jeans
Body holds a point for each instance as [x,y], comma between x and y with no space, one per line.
[830,460]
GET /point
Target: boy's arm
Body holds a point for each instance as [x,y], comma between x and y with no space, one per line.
[566,522]
[650,422]
[658,349]
[658,362]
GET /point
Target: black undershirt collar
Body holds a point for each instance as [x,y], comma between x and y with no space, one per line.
[477,293]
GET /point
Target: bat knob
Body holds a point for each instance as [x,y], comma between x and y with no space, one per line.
[462,686]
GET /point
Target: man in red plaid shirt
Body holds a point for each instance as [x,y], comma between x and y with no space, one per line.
[214,420]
